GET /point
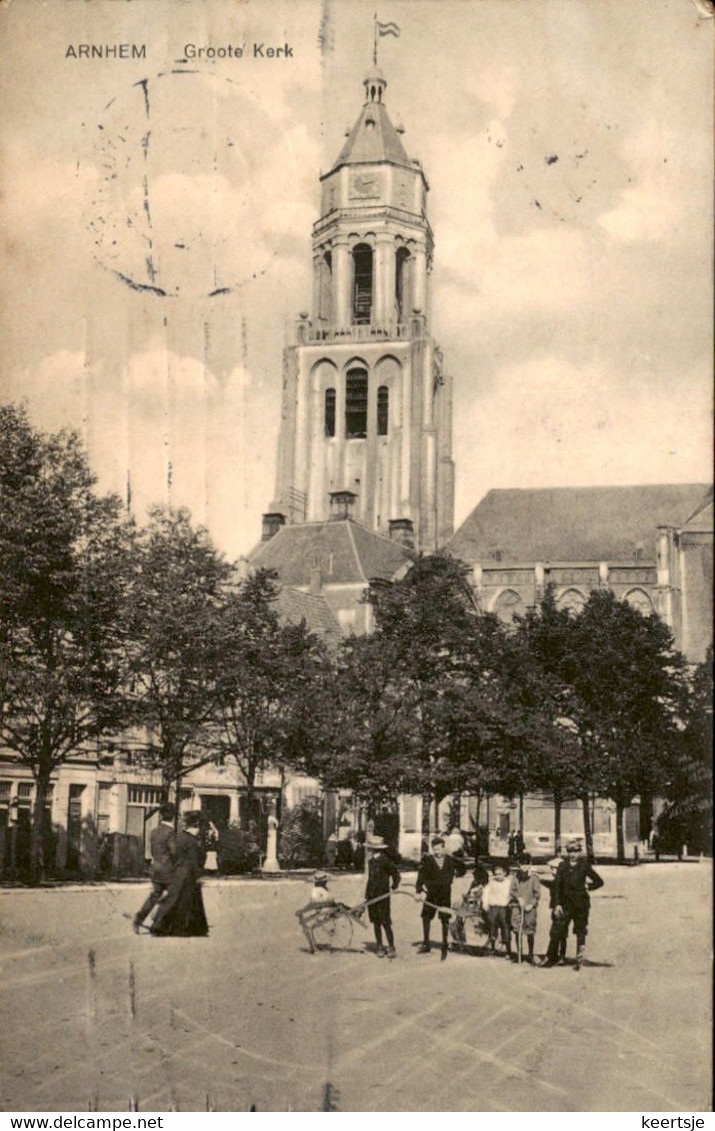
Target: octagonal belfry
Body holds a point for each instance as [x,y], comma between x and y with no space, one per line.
[366,405]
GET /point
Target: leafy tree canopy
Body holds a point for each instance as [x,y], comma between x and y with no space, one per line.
[64,567]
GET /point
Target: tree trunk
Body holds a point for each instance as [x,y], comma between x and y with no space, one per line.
[587,829]
[521,814]
[557,823]
[37,862]
[477,827]
[250,791]
[426,807]
[177,801]
[620,838]
[646,815]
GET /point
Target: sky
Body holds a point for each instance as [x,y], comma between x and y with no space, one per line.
[157,216]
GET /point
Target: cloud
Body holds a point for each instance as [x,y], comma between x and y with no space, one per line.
[523,274]
[55,390]
[667,187]
[547,421]
[37,187]
[496,85]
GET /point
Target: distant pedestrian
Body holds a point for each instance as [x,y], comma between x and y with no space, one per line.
[496,898]
[163,862]
[526,892]
[434,884]
[382,876]
[573,881]
[344,858]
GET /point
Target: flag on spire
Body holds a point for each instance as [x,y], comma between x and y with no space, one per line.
[389,28]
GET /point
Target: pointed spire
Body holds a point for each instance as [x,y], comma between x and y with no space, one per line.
[373,138]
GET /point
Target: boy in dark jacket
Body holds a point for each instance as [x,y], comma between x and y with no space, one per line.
[574,879]
[382,876]
[434,884]
[559,942]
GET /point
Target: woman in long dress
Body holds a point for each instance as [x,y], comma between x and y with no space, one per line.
[181,912]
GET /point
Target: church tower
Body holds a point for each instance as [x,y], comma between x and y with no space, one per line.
[366,414]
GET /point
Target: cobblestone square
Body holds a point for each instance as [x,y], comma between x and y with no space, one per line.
[94,1015]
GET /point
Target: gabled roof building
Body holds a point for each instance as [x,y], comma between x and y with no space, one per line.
[652,545]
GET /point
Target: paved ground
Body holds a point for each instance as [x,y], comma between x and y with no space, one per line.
[95,1015]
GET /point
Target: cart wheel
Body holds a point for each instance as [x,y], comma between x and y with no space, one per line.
[335,933]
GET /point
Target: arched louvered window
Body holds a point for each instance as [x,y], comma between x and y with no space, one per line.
[325,287]
[356,404]
[362,283]
[402,257]
[330,412]
[383,410]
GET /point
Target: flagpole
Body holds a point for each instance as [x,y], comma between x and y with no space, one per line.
[374,50]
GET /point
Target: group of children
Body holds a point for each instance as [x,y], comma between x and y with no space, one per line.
[501,904]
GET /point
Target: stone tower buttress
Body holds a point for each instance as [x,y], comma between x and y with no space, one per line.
[366,405]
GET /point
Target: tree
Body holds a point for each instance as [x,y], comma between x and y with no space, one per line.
[64,561]
[364,731]
[687,817]
[424,628]
[544,639]
[269,675]
[175,641]
[424,705]
[616,683]
[629,698]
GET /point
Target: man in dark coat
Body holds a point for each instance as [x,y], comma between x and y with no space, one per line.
[574,879]
[382,876]
[434,884]
[163,861]
[181,911]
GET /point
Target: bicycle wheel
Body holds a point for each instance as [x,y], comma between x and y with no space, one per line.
[335,933]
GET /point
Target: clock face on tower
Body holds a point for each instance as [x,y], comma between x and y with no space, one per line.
[364,186]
